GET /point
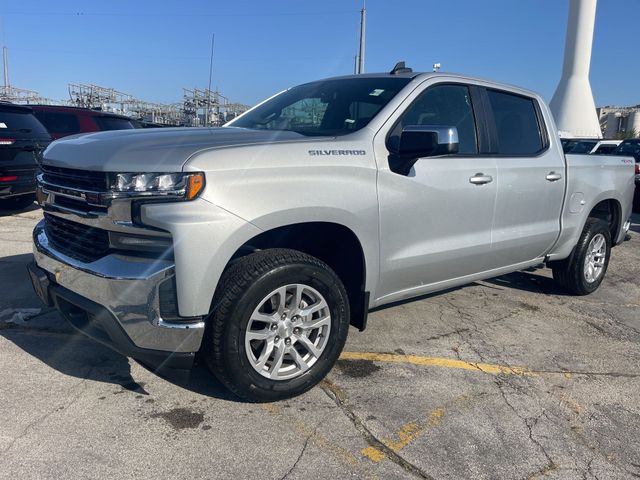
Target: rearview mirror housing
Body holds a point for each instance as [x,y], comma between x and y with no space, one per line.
[419,141]
[428,140]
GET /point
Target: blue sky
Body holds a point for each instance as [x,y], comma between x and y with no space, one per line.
[154,48]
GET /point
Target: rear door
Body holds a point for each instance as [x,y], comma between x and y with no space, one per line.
[531,183]
[435,221]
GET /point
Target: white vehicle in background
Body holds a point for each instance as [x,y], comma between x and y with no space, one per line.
[605,147]
[584,146]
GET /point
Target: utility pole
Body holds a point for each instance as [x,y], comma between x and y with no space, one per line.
[206,120]
[6,67]
[363,19]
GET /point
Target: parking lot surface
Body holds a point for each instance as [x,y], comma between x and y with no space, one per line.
[508,378]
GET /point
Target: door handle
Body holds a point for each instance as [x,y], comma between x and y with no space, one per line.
[480,179]
[553,176]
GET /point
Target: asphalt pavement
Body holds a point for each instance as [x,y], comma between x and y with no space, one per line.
[508,378]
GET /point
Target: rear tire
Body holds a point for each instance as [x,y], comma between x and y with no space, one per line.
[17,203]
[280,320]
[583,272]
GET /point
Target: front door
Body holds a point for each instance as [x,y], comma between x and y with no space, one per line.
[435,221]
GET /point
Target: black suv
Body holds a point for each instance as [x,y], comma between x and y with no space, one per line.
[22,140]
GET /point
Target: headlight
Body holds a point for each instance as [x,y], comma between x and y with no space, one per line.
[180,185]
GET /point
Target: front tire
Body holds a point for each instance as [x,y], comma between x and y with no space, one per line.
[280,320]
[583,272]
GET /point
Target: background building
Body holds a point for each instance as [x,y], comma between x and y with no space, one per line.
[619,122]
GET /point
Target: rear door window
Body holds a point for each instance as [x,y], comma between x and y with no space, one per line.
[113,123]
[57,122]
[518,129]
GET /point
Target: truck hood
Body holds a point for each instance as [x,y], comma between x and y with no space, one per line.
[153,149]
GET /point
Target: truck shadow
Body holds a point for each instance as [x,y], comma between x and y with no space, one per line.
[526,280]
[50,339]
[529,281]
[60,347]
[9,212]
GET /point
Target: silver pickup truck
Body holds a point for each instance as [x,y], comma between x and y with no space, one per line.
[257,244]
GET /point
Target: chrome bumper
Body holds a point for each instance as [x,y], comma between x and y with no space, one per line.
[127,288]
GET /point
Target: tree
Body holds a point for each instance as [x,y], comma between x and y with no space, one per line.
[632,133]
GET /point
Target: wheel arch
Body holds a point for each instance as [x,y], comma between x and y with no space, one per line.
[610,211]
[335,244]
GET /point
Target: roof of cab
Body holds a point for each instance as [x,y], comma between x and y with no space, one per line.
[426,75]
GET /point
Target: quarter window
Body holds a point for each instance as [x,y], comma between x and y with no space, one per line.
[516,120]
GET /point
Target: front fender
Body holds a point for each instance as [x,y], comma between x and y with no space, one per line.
[205,237]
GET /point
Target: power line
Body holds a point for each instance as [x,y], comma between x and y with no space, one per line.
[145,14]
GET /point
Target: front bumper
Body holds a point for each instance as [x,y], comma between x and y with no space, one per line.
[115,300]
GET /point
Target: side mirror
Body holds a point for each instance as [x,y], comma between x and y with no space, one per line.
[419,141]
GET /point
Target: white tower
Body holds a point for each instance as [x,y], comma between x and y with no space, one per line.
[572,104]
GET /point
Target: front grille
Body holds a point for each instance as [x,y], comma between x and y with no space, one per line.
[75,179]
[76,240]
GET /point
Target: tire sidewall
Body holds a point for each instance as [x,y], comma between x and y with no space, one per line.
[234,355]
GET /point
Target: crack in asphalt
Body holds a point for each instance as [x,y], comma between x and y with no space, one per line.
[528,422]
[336,394]
[304,448]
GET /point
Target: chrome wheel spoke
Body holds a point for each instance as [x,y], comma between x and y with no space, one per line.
[599,243]
[299,360]
[264,355]
[297,301]
[263,317]
[311,309]
[282,299]
[309,346]
[259,334]
[316,323]
[277,362]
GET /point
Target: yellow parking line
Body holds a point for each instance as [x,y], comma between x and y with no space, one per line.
[407,433]
[436,361]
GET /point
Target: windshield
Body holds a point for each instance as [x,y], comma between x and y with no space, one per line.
[329,107]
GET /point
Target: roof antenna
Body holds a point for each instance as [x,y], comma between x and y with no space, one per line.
[400,68]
